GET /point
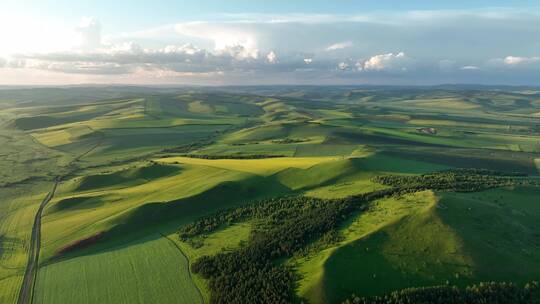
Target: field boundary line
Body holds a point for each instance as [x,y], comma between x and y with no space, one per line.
[189,268]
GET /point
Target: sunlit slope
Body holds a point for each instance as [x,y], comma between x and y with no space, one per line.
[105,130]
[175,189]
[457,239]
[94,212]
[380,214]
[18,205]
[97,203]
[27,170]
[263,167]
[135,176]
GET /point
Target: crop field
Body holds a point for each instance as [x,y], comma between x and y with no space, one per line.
[161,195]
[151,270]
[261,167]
[18,206]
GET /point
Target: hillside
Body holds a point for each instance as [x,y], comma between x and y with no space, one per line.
[314,194]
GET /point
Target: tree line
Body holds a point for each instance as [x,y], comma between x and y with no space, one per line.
[233,156]
[482,293]
[251,273]
[457,180]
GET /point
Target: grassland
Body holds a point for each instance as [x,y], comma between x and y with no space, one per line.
[18,207]
[153,270]
[315,269]
[456,239]
[137,164]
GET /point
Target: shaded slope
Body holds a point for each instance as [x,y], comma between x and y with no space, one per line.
[130,176]
[464,238]
[166,216]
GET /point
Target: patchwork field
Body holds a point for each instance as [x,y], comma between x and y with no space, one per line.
[200,195]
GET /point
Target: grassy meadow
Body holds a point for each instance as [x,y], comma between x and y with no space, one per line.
[135,165]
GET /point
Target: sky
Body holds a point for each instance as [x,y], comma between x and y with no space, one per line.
[216,42]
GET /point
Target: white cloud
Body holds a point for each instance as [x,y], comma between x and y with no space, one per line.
[89,31]
[514,60]
[127,58]
[239,52]
[248,45]
[128,47]
[343,66]
[271,57]
[14,63]
[384,62]
[514,63]
[339,46]
[469,67]
[102,68]
[232,39]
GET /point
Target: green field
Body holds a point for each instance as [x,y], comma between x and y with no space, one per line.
[459,238]
[135,167]
[151,270]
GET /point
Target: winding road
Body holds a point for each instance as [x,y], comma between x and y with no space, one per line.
[26,292]
[30,274]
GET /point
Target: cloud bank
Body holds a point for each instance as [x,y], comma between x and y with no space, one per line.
[417,47]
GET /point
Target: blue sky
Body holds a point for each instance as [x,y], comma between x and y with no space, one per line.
[132,15]
[269,42]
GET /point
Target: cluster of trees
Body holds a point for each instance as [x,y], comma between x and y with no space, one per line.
[480,171]
[251,272]
[232,156]
[260,209]
[459,180]
[288,141]
[273,210]
[483,293]
[289,225]
[192,146]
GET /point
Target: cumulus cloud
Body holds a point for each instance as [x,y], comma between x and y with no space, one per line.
[3,62]
[382,62]
[233,40]
[249,44]
[89,32]
[271,57]
[339,46]
[514,64]
[239,52]
[120,59]
[515,60]
[15,63]
[343,66]
[130,57]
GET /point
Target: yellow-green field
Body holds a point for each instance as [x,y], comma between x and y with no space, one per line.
[262,167]
[18,206]
[136,165]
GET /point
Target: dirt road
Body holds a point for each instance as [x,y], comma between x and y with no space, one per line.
[30,274]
